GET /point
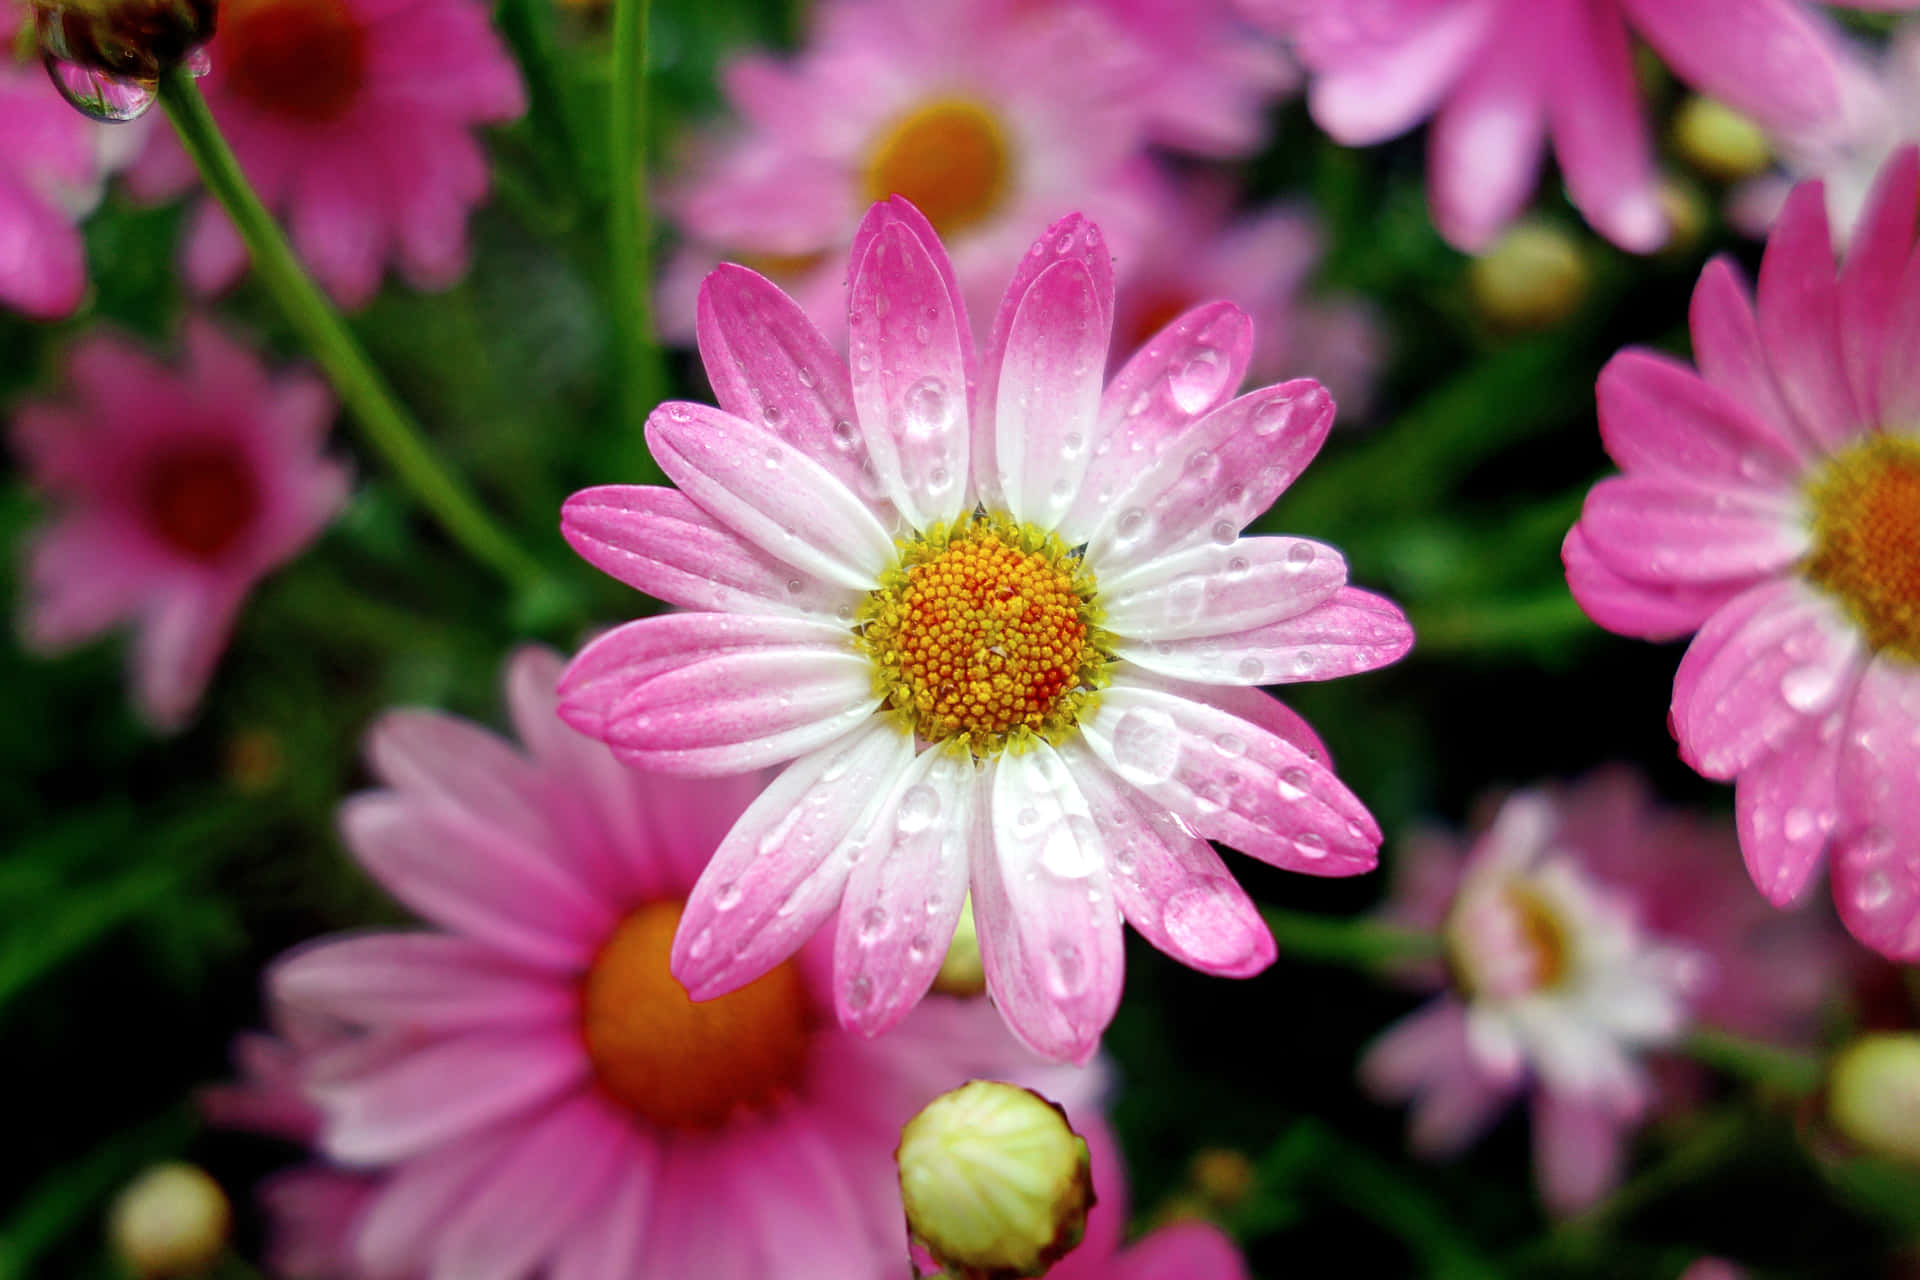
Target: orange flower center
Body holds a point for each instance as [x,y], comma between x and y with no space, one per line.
[679,1064]
[950,158]
[199,498]
[1508,944]
[1867,539]
[985,632]
[303,60]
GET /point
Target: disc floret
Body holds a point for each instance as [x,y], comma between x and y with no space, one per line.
[1866,525]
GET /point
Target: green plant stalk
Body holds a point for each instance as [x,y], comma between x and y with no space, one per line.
[1789,1071]
[1347,940]
[638,371]
[385,424]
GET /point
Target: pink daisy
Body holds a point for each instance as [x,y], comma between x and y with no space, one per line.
[1210,81]
[993,116]
[602,1124]
[1001,619]
[176,493]
[1261,262]
[53,167]
[1771,503]
[1502,77]
[353,119]
[1178,1251]
[1557,989]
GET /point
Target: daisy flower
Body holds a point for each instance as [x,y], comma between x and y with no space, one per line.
[1556,991]
[353,120]
[603,1124]
[993,116]
[1001,619]
[175,494]
[1501,78]
[1771,503]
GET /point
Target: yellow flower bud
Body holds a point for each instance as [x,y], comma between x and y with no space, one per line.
[1533,277]
[1873,1094]
[1719,141]
[171,1221]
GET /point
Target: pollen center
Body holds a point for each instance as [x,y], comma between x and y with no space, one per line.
[1508,944]
[302,60]
[1867,539]
[198,499]
[679,1064]
[985,632]
[950,158]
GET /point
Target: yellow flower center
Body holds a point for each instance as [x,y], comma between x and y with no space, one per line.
[1508,944]
[985,633]
[1866,528]
[949,157]
[303,60]
[679,1064]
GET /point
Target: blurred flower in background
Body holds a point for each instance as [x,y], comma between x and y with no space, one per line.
[174,494]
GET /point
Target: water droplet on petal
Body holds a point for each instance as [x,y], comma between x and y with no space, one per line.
[98,95]
[728,896]
[873,923]
[1300,555]
[1146,746]
[1808,689]
[1252,670]
[918,808]
[1293,784]
[1199,381]
[859,992]
[1066,969]
[926,408]
[1312,846]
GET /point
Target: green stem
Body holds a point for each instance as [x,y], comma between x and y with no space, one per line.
[1547,622]
[1347,939]
[1789,1071]
[636,355]
[386,425]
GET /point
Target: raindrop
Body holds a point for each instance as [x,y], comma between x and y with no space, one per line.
[1066,969]
[795,586]
[772,459]
[98,95]
[1312,846]
[1799,824]
[1199,381]
[1073,443]
[920,946]
[771,413]
[1300,555]
[918,808]
[1224,534]
[927,408]
[845,436]
[1132,523]
[1203,464]
[805,375]
[1252,669]
[938,479]
[701,944]
[872,924]
[1238,567]
[1292,784]
[1808,689]
[728,896]
[1273,416]
[1230,745]
[859,993]
[1146,746]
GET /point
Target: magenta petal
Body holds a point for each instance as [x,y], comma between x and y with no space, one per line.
[904,895]
[1800,321]
[405,1107]
[180,640]
[1770,59]
[1169,883]
[1731,356]
[1774,659]
[1049,393]
[43,272]
[1215,590]
[1232,781]
[1578,1150]
[420,981]
[659,541]
[911,355]
[1870,284]
[1621,605]
[1876,873]
[1348,632]
[1658,415]
[793,1187]
[609,1242]
[1787,808]
[770,493]
[1415,1051]
[1180,1251]
[1485,146]
[1667,530]
[402,1223]
[1599,133]
[699,1216]
[775,878]
[1226,469]
[442,758]
[1898,394]
[1378,94]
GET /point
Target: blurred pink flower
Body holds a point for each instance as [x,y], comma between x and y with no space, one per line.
[598,1123]
[1209,81]
[1771,503]
[1177,1251]
[1002,620]
[1503,77]
[53,168]
[1261,262]
[993,116]
[175,494]
[353,120]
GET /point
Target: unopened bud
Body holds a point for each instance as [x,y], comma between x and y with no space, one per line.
[171,1221]
[996,1183]
[1222,1177]
[1534,276]
[961,973]
[1873,1094]
[1719,141]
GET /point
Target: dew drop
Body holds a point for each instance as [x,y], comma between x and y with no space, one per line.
[1066,969]
[805,375]
[1198,381]
[927,408]
[1798,824]
[1300,555]
[1274,416]
[728,896]
[1312,846]
[1224,535]
[1131,525]
[795,586]
[98,95]
[1238,567]
[845,436]
[1293,784]
[771,414]
[918,808]
[1146,746]
[859,992]
[873,923]
[1230,745]
[1808,689]
[701,944]
[1252,670]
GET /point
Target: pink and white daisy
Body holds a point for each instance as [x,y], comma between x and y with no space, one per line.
[1501,78]
[1771,503]
[1001,619]
[353,119]
[1177,1251]
[1210,81]
[53,168]
[1557,991]
[1261,262]
[993,116]
[602,1123]
[175,494]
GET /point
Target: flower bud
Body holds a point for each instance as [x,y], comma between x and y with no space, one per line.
[1718,141]
[996,1183]
[1223,1178]
[130,39]
[961,973]
[170,1221]
[1873,1094]
[1534,276]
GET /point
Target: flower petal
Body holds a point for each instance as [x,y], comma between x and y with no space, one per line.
[1049,393]
[1485,146]
[1669,531]
[1226,469]
[1349,632]
[1787,807]
[396,1234]
[181,637]
[1800,321]
[1626,607]
[1876,873]
[1578,1150]
[699,1216]
[1599,132]
[1870,283]
[1214,590]
[1769,59]
[1378,94]
[1659,416]
[775,878]
[904,895]
[770,493]
[912,353]
[420,981]
[608,1243]
[1167,882]
[442,758]
[1731,356]
[1232,781]
[800,1206]
[660,541]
